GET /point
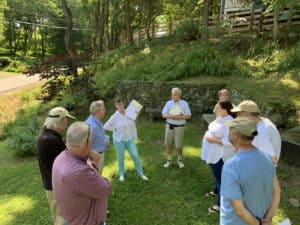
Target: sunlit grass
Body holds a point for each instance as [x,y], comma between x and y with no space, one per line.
[12,205]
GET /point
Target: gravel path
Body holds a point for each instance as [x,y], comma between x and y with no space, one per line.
[13,82]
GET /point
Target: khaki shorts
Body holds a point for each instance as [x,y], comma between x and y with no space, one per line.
[176,134]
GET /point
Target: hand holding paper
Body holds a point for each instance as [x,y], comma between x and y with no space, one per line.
[133,110]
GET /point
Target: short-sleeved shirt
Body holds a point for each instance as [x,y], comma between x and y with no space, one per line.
[181,107]
[81,193]
[247,176]
[268,139]
[212,152]
[99,139]
[49,145]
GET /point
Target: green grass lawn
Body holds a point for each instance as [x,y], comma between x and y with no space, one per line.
[171,196]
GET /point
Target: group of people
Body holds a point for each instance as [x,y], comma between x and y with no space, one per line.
[237,149]
[242,149]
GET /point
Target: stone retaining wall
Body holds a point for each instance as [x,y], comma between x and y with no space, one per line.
[201,98]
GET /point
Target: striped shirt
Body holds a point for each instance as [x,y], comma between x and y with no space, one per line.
[80,192]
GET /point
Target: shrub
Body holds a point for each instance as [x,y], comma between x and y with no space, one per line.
[187,31]
[21,134]
[4,61]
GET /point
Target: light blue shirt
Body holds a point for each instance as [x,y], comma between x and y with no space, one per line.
[247,176]
[100,141]
[182,105]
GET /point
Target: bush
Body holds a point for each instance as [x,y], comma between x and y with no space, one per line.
[187,31]
[4,62]
[21,134]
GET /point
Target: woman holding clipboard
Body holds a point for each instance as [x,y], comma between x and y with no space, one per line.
[124,135]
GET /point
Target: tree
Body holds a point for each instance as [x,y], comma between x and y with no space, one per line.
[128,28]
[67,38]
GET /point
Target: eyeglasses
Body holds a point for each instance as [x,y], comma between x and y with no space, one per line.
[88,136]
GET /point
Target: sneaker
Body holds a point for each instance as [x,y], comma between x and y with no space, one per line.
[180,164]
[168,163]
[121,178]
[144,177]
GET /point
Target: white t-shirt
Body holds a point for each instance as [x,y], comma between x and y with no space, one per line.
[268,139]
[212,152]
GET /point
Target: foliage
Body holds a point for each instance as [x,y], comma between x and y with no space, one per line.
[4,61]
[189,30]
[21,134]
[164,61]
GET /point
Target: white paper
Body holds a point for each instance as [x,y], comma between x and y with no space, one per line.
[285,222]
[176,110]
[133,109]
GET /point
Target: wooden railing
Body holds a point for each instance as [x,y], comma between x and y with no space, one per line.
[233,22]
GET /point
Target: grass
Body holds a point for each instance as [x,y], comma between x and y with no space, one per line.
[171,196]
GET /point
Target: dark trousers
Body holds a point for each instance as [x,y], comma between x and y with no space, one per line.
[217,171]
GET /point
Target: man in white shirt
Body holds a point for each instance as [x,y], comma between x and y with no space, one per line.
[176,111]
[268,138]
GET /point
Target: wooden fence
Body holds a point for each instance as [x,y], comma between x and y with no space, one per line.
[233,22]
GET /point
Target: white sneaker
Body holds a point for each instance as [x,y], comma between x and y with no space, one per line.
[121,178]
[180,164]
[144,177]
[168,163]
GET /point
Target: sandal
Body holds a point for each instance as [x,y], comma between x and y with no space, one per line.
[214,209]
[211,194]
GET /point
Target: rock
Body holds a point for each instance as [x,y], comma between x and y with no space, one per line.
[292,135]
[294,202]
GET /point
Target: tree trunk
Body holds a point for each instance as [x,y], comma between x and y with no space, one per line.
[289,20]
[275,23]
[252,17]
[261,20]
[67,39]
[205,20]
[129,34]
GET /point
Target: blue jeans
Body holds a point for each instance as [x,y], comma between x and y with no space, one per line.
[217,172]
[131,147]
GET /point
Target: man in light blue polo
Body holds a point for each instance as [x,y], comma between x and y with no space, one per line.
[100,140]
[176,111]
[248,179]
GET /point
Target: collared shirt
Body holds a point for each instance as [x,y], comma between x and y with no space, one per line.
[246,176]
[181,107]
[268,138]
[100,141]
[122,127]
[213,152]
[49,145]
[81,193]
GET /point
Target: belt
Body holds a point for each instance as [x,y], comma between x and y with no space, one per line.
[174,125]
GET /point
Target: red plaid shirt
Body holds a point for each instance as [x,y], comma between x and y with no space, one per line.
[81,193]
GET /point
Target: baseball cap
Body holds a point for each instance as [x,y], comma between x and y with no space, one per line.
[59,112]
[246,106]
[244,125]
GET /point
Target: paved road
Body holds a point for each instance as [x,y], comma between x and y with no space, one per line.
[13,82]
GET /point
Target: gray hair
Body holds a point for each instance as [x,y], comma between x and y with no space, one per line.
[78,134]
[95,106]
[176,90]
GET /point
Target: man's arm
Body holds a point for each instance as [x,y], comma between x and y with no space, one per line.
[243,213]
[275,199]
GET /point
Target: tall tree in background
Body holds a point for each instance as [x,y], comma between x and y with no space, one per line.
[205,19]
[67,38]
[128,28]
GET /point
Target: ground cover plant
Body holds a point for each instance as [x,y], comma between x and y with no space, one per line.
[171,196]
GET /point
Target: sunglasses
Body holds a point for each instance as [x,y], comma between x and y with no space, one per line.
[89,133]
